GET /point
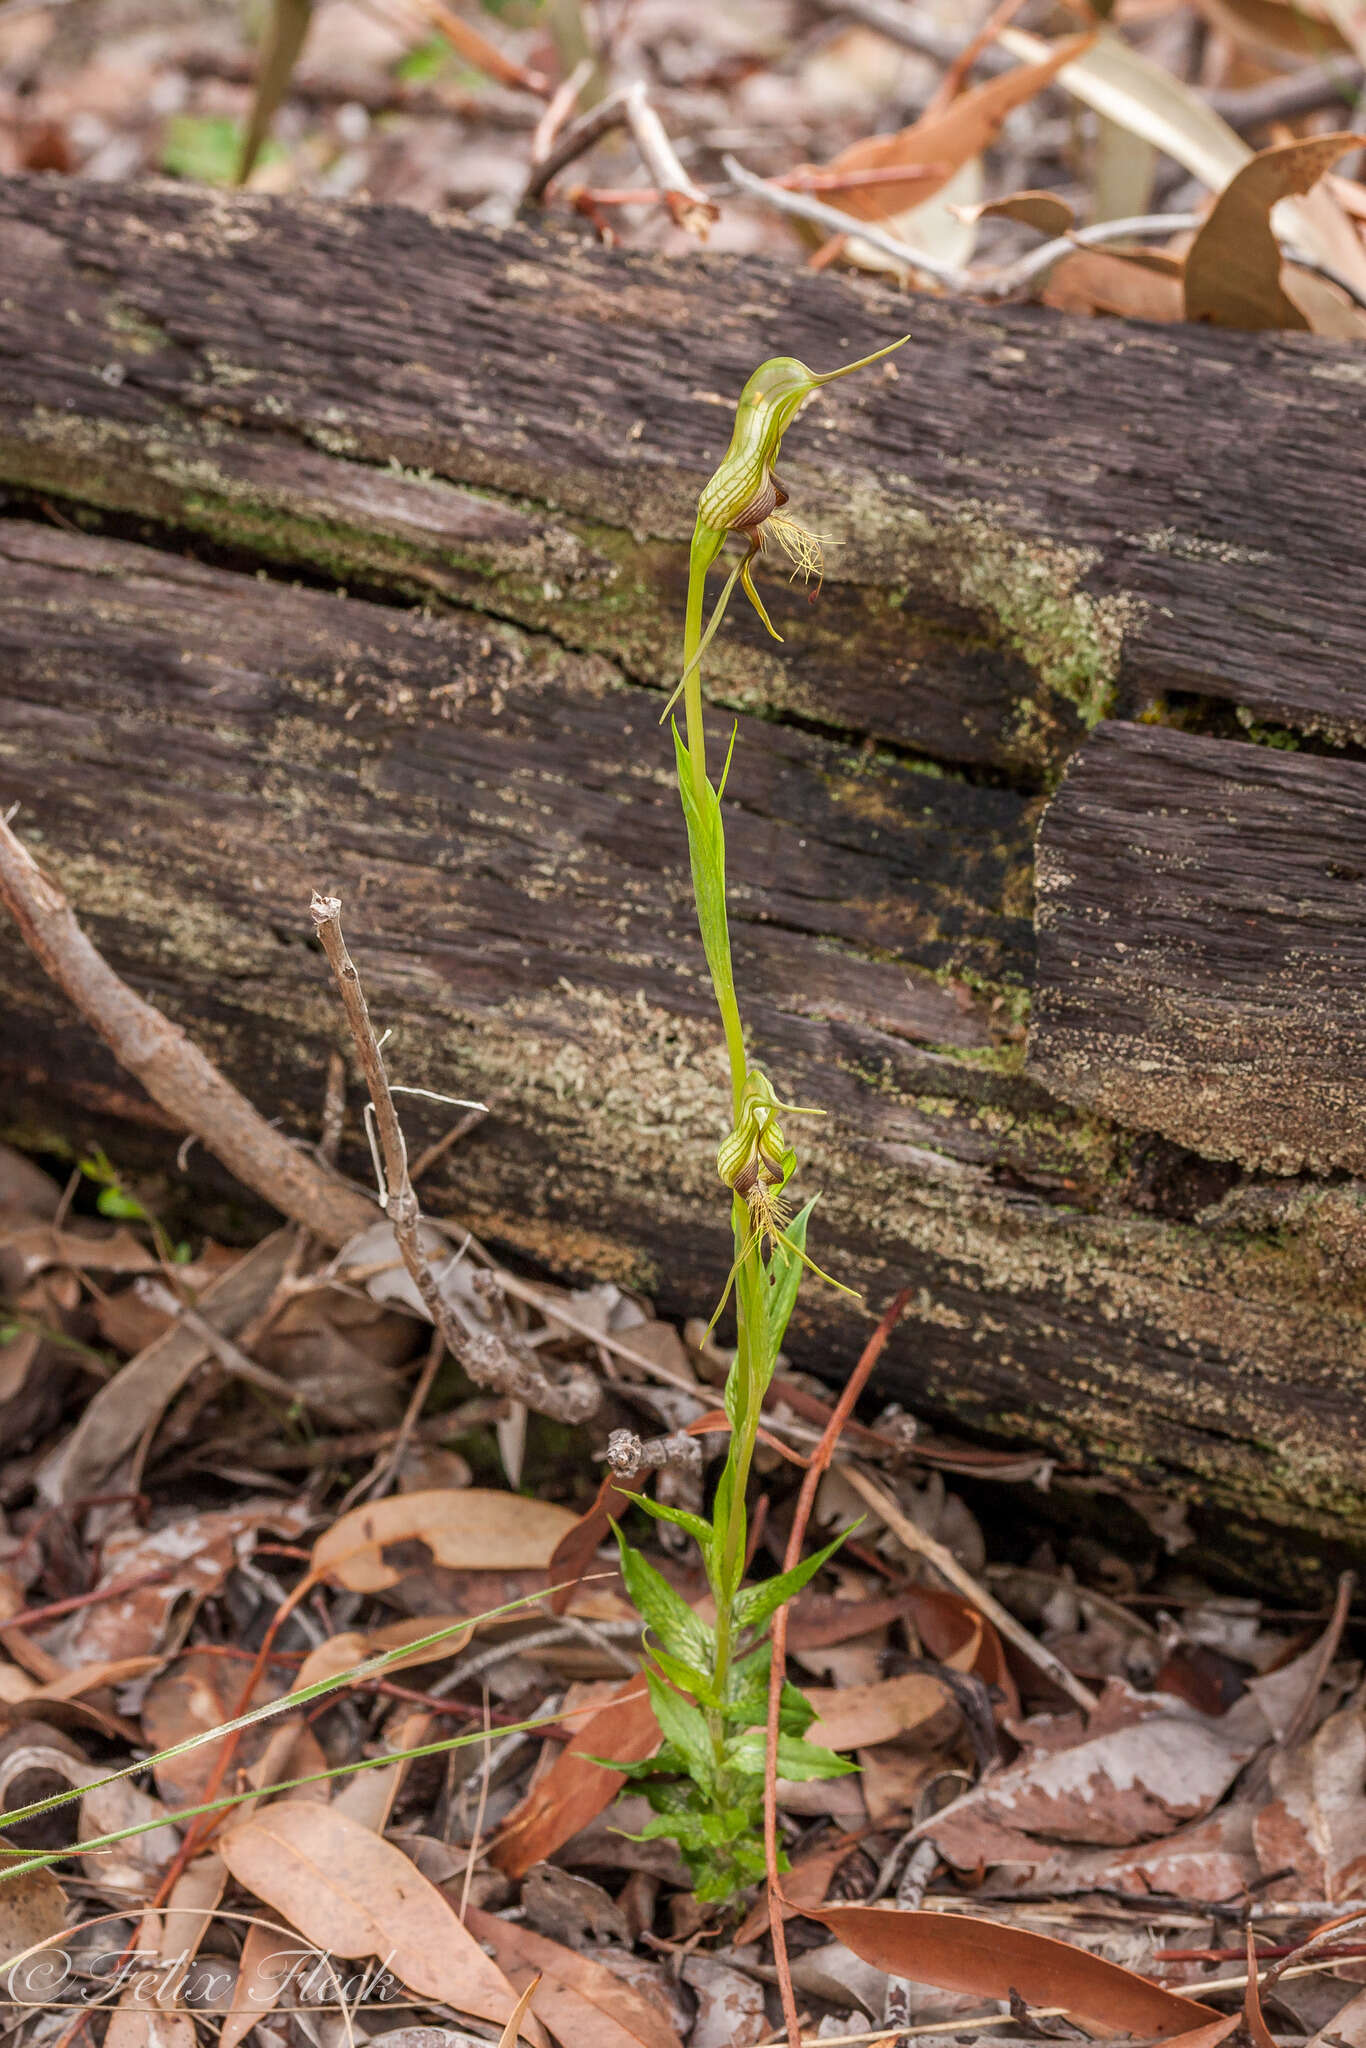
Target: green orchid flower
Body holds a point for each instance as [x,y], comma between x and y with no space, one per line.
[745,498]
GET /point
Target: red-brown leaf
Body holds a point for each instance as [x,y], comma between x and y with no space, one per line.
[988,1959]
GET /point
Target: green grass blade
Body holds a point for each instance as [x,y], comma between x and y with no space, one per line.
[42,1858]
[370,1667]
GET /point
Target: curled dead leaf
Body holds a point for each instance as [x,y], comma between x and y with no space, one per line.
[464,1529]
[582,2003]
[948,140]
[1299,28]
[576,1789]
[32,1908]
[1118,282]
[1046,211]
[1233,267]
[857,1716]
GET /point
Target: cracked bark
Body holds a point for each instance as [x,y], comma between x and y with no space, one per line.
[1041,521]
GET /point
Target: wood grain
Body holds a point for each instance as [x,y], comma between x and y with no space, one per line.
[1202,946]
[1037,520]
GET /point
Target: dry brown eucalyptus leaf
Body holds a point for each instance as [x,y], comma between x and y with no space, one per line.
[466,1529]
[1233,267]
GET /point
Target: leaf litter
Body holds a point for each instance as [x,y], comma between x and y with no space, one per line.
[1094,1862]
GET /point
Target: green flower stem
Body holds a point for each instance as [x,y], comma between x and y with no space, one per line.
[748,1303]
[698,1708]
[697,755]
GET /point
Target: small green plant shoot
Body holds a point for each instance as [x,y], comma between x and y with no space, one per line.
[708,1680]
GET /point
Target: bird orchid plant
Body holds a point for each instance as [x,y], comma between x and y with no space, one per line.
[709,1678]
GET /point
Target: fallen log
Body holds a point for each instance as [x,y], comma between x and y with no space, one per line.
[479,454]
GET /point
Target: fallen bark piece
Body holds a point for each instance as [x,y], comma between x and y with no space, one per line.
[488,795]
[984,603]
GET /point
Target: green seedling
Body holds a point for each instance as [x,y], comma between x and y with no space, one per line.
[115,1201]
[708,1680]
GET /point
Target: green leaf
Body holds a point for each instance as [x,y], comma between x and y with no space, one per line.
[748,1683]
[284,41]
[797,1760]
[686,1677]
[661,1608]
[289,25]
[684,1828]
[207,148]
[721,1505]
[680,1518]
[424,62]
[634,1770]
[676,1796]
[114,1202]
[733,1397]
[747,1701]
[795,1711]
[684,1727]
[756,1603]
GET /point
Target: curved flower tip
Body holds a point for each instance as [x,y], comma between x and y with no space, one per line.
[744,496]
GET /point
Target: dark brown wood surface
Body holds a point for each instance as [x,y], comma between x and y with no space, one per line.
[1202,946]
[1037,519]
[380,591]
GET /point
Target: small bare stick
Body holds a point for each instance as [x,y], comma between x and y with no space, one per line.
[690,206]
[174,1072]
[628,1454]
[573,139]
[486,1356]
[437,1151]
[560,106]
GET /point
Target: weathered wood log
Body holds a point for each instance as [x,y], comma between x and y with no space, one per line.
[493,444]
[1038,521]
[1202,946]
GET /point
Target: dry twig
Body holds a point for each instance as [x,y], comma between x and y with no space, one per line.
[476,49]
[994,284]
[174,1072]
[560,106]
[572,141]
[487,1357]
[690,206]
[628,1454]
[956,77]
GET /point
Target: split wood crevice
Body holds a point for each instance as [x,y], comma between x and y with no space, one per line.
[1140,1240]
